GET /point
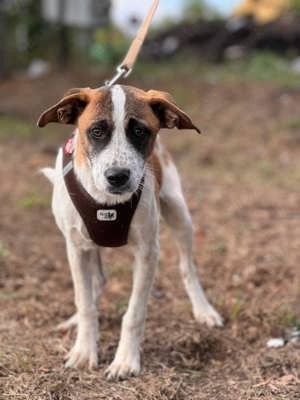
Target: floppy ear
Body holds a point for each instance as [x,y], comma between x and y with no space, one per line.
[169,114]
[68,109]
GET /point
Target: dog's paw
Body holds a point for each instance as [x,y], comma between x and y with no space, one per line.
[123,367]
[83,353]
[68,324]
[209,316]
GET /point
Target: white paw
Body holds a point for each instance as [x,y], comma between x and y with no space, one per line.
[84,351]
[209,316]
[68,324]
[124,366]
[82,354]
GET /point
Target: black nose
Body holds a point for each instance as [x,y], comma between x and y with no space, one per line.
[117,177]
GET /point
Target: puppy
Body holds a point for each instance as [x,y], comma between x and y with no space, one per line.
[117,152]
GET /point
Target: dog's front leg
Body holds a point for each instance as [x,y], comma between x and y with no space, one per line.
[82,266]
[98,280]
[127,359]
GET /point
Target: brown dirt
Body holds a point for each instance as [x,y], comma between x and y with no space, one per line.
[241,181]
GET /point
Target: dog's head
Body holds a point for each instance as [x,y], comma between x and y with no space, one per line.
[117,128]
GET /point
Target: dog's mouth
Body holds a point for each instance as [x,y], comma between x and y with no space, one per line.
[125,189]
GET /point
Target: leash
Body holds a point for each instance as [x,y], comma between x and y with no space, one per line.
[125,68]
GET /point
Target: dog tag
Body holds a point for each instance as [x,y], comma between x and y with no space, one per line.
[106,215]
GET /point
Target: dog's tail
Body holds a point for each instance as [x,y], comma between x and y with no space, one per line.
[49,174]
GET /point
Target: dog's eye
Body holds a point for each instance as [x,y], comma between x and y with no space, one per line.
[98,133]
[139,131]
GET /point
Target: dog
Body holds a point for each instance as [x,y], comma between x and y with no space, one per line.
[116,152]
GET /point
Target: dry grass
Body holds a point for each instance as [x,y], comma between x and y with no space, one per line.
[241,181]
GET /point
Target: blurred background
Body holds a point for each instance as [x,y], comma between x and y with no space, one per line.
[234,66]
[254,39]
[39,36]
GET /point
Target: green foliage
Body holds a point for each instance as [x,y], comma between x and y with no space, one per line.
[292,123]
[219,246]
[121,306]
[295,5]
[196,9]
[10,127]
[27,32]
[260,66]
[236,309]
[34,200]
[109,46]
[265,64]
[3,251]
[257,67]
[266,169]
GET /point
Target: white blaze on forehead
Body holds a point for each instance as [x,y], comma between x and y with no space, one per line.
[118,104]
[120,150]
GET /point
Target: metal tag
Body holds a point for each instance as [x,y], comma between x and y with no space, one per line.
[106,215]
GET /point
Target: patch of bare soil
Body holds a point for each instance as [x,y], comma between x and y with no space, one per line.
[241,180]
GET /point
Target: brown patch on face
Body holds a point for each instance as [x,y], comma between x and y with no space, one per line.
[99,108]
[137,106]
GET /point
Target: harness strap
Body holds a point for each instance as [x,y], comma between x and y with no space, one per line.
[108,226]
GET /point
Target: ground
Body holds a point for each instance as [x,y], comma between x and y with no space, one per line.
[241,180]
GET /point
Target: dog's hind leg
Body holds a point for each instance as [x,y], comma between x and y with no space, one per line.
[98,283]
[177,217]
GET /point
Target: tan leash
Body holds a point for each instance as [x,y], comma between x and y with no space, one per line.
[125,69]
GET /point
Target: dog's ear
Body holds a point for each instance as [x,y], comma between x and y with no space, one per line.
[169,114]
[68,109]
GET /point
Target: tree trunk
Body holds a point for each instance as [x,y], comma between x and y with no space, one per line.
[3,49]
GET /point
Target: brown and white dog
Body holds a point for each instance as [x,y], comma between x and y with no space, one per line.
[116,145]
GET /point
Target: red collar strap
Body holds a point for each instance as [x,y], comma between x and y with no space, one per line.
[108,226]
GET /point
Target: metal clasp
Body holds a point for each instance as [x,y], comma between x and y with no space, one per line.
[122,72]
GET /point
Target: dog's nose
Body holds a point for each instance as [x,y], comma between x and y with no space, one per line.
[117,177]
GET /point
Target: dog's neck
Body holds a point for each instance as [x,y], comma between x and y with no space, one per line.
[84,175]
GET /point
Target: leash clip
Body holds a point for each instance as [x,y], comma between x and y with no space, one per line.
[122,72]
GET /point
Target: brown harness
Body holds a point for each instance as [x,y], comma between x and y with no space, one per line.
[108,226]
